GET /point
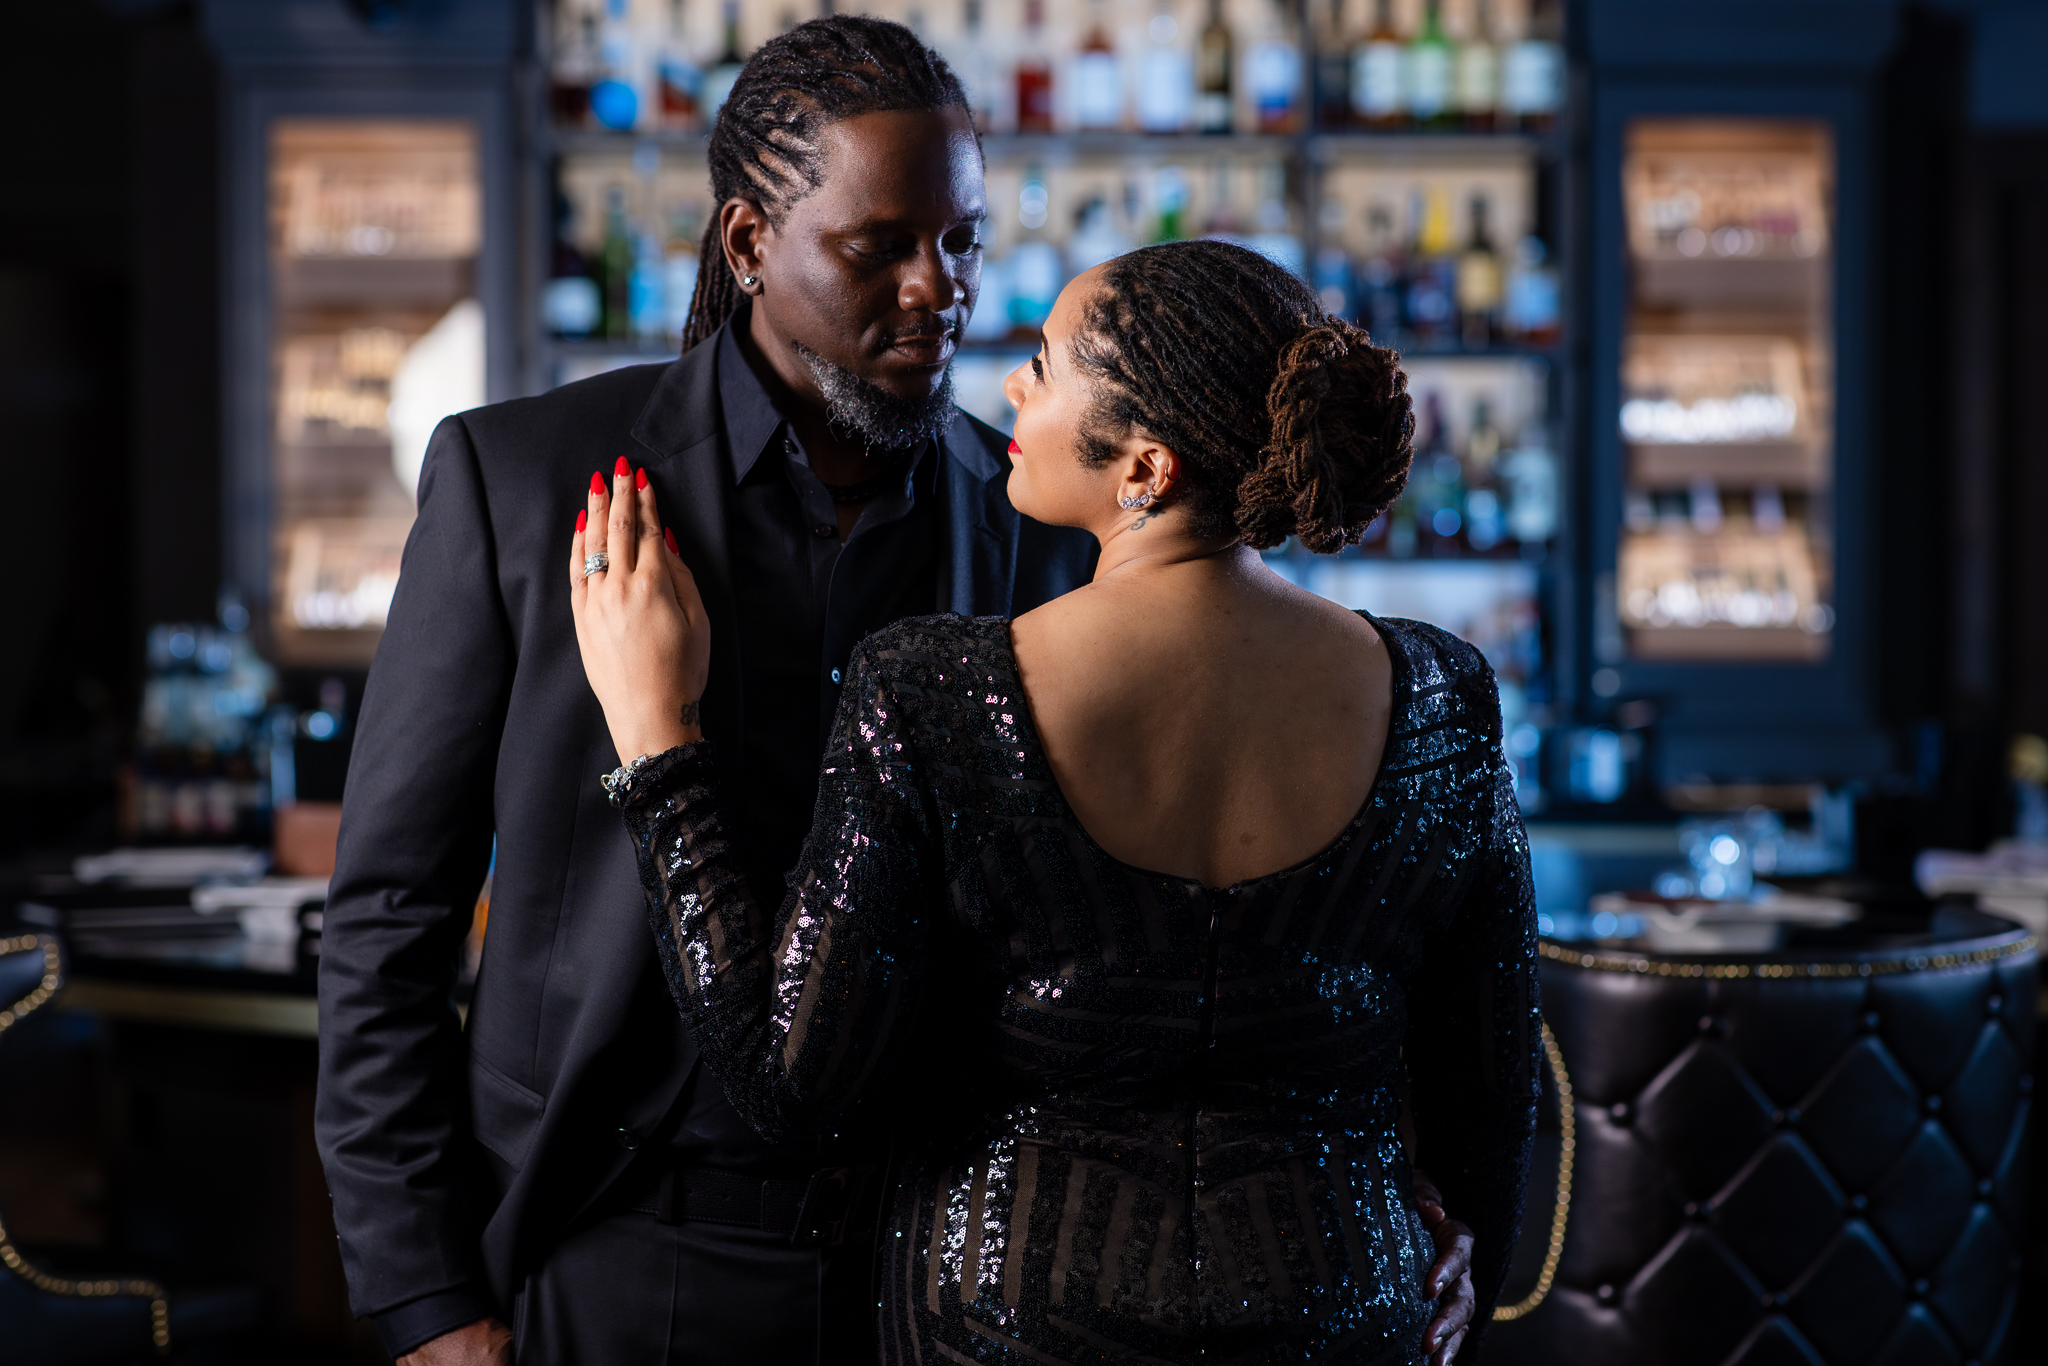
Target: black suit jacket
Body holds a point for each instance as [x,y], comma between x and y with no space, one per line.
[455,1158]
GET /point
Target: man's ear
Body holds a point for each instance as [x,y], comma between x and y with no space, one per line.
[741,227]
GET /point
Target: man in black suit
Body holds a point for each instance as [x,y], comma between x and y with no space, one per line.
[564,1163]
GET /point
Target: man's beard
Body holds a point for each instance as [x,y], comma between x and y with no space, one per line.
[878,417]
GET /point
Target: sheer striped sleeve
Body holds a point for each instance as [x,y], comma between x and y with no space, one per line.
[799,1010]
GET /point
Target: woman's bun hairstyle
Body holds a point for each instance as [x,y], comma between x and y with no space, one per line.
[1340,445]
[1287,422]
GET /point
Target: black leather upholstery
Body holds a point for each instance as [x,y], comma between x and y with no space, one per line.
[1788,1168]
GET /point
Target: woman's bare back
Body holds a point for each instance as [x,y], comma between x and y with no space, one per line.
[1209,719]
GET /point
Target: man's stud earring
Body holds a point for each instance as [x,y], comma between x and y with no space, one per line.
[749,281]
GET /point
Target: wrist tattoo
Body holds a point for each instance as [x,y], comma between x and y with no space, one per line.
[692,713]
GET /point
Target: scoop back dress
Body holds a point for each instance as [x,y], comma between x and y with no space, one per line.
[1143,1120]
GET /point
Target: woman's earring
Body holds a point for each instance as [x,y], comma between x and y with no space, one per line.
[749,281]
[1143,500]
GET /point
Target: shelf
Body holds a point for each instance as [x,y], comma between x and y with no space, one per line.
[1009,148]
[1787,464]
[1773,283]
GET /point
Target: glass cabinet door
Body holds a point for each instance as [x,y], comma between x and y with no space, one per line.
[376,333]
[1727,388]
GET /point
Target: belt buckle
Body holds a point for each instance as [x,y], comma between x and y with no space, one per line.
[827,1204]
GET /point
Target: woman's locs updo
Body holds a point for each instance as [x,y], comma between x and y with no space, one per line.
[1287,422]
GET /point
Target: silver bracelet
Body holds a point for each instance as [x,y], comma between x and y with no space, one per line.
[616,781]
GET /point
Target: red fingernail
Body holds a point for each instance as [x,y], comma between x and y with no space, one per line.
[639,479]
[669,538]
[596,485]
[622,469]
[582,519]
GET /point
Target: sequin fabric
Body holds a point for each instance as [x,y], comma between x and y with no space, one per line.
[1143,1120]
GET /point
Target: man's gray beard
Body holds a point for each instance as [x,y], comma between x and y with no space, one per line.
[872,413]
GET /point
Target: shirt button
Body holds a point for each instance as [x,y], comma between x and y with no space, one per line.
[824,531]
[835,675]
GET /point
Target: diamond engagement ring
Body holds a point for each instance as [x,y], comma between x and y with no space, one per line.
[596,564]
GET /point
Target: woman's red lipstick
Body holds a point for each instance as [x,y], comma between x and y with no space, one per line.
[1016,449]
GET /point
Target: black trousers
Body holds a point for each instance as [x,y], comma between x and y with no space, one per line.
[629,1290]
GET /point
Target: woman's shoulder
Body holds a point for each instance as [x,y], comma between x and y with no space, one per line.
[1439,677]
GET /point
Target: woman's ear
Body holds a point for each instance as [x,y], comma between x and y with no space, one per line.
[1158,468]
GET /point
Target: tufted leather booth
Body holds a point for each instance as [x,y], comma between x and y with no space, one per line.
[1811,1157]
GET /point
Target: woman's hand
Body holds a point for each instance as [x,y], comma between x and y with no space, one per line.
[640,624]
[1450,1278]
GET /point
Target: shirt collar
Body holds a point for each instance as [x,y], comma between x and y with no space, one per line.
[751,417]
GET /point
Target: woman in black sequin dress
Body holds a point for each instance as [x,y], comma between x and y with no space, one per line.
[1162,1112]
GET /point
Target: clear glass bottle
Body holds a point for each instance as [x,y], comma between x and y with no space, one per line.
[1475,73]
[1098,77]
[1166,74]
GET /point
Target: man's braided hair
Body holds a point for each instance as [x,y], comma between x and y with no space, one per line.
[765,144]
[1287,422]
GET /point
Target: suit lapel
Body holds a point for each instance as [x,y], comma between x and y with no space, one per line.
[680,427]
[980,564]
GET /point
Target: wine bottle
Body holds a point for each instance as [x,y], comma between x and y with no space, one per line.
[1214,56]
[618,267]
[1034,74]
[1479,282]
[1475,76]
[1333,68]
[1532,75]
[1427,66]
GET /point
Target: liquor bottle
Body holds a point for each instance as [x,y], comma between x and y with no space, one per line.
[718,80]
[1532,74]
[1170,195]
[1378,96]
[1475,74]
[1485,518]
[1036,274]
[1333,68]
[1098,78]
[1273,71]
[680,267]
[577,65]
[1096,239]
[1431,311]
[1479,282]
[1438,480]
[1381,308]
[1214,56]
[1166,75]
[572,305]
[1034,74]
[617,101]
[1332,277]
[976,67]
[1427,68]
[1530,474]
[1274,238]
[618,267]
[681,83]
[1221,225]
[1531,312]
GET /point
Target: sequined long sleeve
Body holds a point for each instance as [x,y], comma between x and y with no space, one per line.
[798,1010]
[1474,1035]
